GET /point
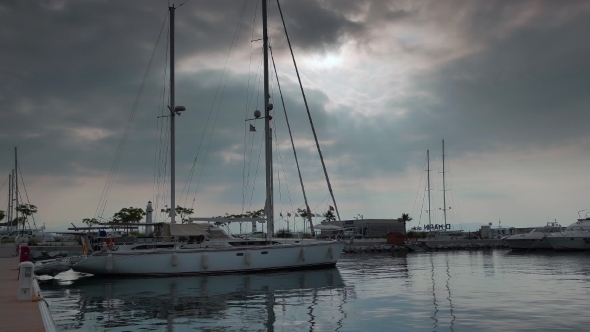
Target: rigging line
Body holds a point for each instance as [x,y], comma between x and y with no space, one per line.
[162,193]
[290,132]
[162,166]
[246,128]
[259,80]
[160,128]
[422,209]
[126,132]
[256,173]
[328,195]
[244,185]
[262,141]
[6,179]
[246,179]
[309,115]
[455,202]
[248,174]
[114,166]
[26,194]
[228,59]
[279,160]
[183,3]
[419,187]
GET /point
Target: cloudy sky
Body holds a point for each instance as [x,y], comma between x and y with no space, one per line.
[504,83]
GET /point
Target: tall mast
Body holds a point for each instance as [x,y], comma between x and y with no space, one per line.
[428,188]
[444,184]
[267,130]
[172,149]
[15,194]
[9,208]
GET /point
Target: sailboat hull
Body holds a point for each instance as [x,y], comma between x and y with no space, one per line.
[211,261]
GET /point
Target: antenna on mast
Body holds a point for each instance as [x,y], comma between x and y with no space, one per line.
[444,185]
[428,189]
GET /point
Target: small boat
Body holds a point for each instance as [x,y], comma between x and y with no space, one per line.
[55,266]
[575,237]
[533,240]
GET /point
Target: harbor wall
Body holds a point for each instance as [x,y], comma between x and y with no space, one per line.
[380,245]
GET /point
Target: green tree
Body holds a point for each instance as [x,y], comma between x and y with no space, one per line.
[329,216]
[128,215]
[90,221]
[254,214]
[283,233]
[26,210]
[180,211]
[405,217]
[247,214]
[302,213]
[2,215]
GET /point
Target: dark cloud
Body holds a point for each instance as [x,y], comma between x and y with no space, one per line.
[524,89]
[488,76]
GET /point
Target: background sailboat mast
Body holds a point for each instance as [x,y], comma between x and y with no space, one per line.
[9,208]
[444,184]
[172,152]
[428,188]
[15,194]
[267,130]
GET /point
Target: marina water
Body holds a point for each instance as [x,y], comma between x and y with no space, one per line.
[479,290]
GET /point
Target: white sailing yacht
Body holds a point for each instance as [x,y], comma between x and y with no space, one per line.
[210,250]
[439,231]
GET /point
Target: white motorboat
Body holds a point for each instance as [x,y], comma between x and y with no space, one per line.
[207,251]
[533,240]
[575,237]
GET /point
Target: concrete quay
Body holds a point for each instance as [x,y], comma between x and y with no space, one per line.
[15,315]
[380,245]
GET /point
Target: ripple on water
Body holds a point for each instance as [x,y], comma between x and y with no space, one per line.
[485,290]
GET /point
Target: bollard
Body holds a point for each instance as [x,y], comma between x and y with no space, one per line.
[25,253]
[25,281]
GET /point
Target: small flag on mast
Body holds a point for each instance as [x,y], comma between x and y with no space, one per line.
[252,128]
[331,208]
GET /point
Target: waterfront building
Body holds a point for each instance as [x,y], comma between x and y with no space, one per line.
[369,227]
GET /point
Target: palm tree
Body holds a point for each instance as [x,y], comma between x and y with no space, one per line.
[405,217]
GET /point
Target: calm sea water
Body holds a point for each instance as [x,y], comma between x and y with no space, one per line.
[493,290]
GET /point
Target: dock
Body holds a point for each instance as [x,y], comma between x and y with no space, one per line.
[16,316]
[381,245]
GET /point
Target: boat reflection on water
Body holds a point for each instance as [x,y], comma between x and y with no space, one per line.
[79,302]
